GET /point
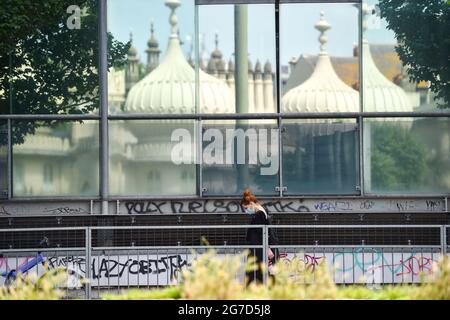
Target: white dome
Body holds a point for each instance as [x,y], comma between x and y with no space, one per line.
[170,88]
[380,94]
[324,91]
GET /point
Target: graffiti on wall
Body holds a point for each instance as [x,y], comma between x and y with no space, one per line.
[219,206]
[361,265]
[280,206]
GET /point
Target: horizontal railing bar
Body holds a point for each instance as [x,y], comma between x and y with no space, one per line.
[359,246]
[42,250]
[45,229]
[367,226]
[177,247]
[21,117]
[195,227]
[312,247]
[123,214]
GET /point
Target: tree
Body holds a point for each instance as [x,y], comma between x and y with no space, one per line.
[422,31]
[47,67]
[398,160]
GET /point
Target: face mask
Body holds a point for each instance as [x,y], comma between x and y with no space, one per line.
[249,211]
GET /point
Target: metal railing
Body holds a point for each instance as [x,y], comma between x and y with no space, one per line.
[116,264]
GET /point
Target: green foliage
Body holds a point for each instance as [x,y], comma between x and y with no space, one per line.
[45,67]
[32,287]
[213,277]
[398,159]
[166,293]
[422,31]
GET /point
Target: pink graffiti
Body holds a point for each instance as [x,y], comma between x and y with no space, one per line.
[4,265]
[311,262]
[413,265]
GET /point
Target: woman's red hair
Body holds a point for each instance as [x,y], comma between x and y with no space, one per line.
[248,197]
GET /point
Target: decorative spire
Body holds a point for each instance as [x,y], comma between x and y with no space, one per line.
[216,40]
[322,26]
[367,11]
[173,20]
[132,52]
[152,42]
[268,68]
[216,54]
[258,67]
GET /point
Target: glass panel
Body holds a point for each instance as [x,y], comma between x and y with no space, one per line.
[237,58]
[3,159]
[239,155]
[405,64]
[158,73]
[319,66]
[151,157]
[407,156]
[55,158]
[320,156]
[4,79]
[54,57]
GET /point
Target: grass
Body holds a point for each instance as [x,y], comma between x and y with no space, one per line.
[213,277]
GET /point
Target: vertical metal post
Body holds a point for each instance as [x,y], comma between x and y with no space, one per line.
[265,255]
[241,57]
[443,240]
[103,78]
[88,248]
[278,96]
[241,78]
[198,123]
[361,99]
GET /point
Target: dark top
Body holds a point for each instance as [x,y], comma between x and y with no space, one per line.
[254,235]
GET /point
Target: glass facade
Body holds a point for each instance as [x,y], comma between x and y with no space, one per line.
[187,98]
[55,158]
[51,63]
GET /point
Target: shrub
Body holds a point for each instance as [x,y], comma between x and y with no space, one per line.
[32,287]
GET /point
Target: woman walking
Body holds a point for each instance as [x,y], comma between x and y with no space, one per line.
[258,216]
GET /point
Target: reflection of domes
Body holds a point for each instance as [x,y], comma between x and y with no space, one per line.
[170,88]
[152,42]
[132,52]
[268,68]
[324,91]
[380,94]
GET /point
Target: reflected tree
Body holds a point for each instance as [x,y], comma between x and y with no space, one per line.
[422,31]
[399,159]
[47,67]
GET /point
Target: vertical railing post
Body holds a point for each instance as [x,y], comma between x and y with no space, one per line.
[265,255]
[443,240]
[104,131]
[88,248]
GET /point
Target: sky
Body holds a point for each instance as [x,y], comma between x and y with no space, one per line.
[297,32]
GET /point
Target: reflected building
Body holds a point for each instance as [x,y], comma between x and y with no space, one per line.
[59,161]
[318,153]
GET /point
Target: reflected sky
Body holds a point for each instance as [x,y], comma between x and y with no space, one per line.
[298,35]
